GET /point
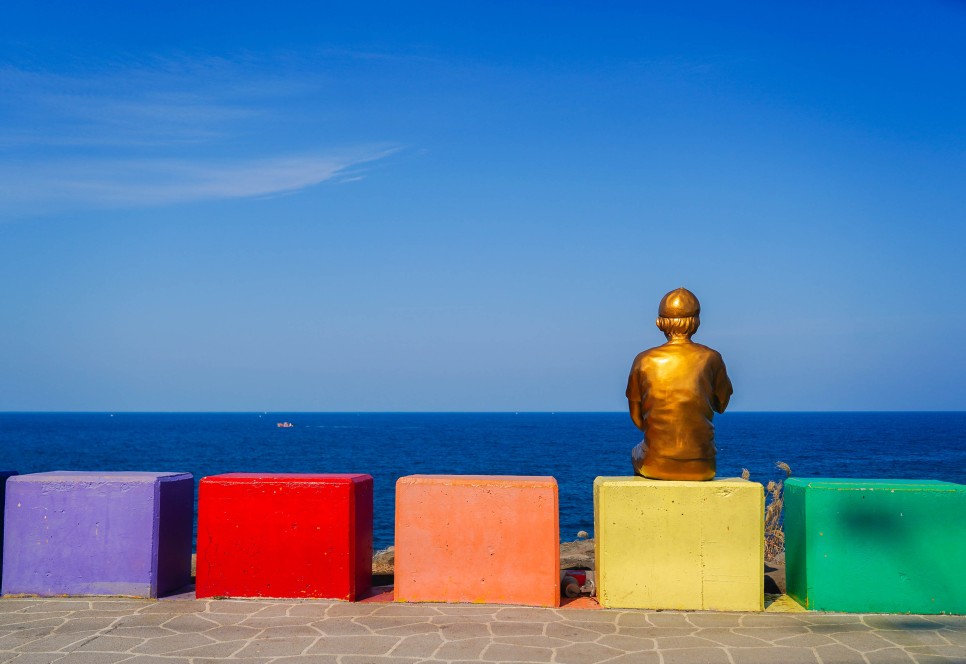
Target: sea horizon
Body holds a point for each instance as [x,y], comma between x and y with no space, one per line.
[446,412]
[573,447]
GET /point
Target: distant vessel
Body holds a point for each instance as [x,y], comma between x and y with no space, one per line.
[284,425]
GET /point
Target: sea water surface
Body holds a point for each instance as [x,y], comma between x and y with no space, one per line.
[573,447]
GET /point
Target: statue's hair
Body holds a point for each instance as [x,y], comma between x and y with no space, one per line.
[678,327]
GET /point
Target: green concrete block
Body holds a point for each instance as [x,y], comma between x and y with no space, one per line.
[876,546]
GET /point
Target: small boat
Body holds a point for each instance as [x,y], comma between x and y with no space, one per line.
[284,425]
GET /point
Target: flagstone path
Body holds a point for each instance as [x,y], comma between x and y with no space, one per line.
[190,631]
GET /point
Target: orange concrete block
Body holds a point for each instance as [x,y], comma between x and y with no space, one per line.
[477,538]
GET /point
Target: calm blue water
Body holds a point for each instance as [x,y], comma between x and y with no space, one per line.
[573,447]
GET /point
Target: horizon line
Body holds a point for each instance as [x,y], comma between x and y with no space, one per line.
[439,412]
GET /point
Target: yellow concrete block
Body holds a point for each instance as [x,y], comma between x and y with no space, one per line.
[679,545]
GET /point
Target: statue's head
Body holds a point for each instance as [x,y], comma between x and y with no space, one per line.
[678,315]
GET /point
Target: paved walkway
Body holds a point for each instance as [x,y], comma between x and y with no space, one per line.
[75,631]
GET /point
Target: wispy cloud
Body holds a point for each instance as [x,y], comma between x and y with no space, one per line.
[130,105]
[54,185]
[162,132]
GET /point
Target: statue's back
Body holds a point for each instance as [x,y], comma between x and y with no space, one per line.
[680,386]
[673,392]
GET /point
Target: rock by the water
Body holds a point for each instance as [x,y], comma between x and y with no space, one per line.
[573,555]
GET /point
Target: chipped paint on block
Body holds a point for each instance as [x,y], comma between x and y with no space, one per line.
[679,545]
[483,539]
[98,533]
[286,535]
[870,546]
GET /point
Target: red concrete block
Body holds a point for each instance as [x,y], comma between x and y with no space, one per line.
[284,535]
[487,539]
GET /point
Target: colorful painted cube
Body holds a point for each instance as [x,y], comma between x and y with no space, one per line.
[285,535]
[4,476]
[468,538]
[679,545]
[98,533]
[876,546]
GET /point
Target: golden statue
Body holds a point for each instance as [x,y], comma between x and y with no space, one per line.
[673,392]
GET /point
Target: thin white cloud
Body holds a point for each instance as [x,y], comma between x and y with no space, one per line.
[130,106]
[157,132]
[149,182]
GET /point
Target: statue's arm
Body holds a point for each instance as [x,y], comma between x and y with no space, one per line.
[637,413]
[722,388]
[634,397]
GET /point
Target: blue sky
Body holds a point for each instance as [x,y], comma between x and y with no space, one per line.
[477,206]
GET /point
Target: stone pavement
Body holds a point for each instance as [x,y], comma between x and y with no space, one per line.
[189,631]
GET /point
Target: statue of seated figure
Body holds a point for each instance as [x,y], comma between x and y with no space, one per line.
[673,392]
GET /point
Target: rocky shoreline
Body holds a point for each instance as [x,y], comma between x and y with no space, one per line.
[579,554]
[573,555]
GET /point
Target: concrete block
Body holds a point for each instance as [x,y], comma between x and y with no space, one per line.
[679,545]
[876,546]
[285,535]
[469,538]
[4,476]
[98,533]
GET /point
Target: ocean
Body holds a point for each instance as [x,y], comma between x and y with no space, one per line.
[572,447]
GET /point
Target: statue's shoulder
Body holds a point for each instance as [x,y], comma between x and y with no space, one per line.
[702,348]
[645,355]
[705,350]
[651,352]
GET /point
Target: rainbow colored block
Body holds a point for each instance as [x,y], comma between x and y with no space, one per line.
[876,546]
[285,535]
[472,538]
[98,533]
[4,476]
[679,545]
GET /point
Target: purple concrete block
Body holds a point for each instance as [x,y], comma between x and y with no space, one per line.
[98,533]
[4,476]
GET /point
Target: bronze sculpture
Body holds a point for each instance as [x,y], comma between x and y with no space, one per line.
[673,392]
